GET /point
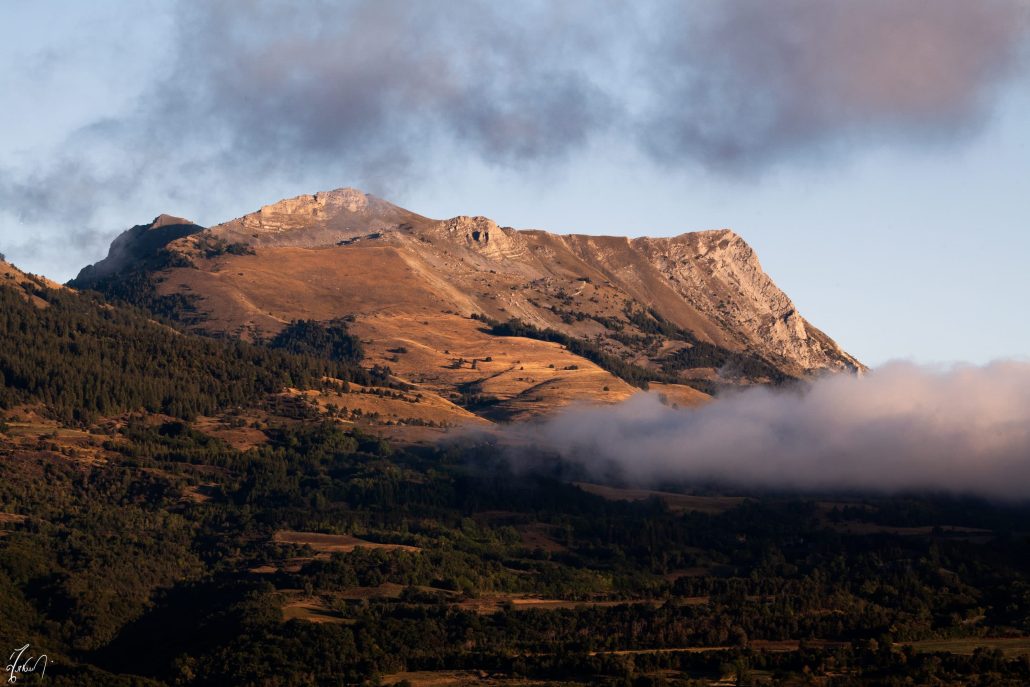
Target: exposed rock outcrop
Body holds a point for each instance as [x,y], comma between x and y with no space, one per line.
[135,247]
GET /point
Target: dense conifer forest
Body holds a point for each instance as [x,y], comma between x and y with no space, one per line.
[83,358]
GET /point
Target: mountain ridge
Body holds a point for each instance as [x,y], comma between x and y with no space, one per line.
[695,309]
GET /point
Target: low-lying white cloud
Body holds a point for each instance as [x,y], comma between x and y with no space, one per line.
[962,429]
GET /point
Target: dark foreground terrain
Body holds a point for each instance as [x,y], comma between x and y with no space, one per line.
[170,516]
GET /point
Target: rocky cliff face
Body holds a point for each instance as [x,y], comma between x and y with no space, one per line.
[694,309]
[136,247]
[322,219]
[719,274]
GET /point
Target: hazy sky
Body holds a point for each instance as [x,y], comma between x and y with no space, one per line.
[875,153]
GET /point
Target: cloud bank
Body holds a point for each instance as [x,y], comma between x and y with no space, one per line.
[742,84]
[903,427]
[378,93]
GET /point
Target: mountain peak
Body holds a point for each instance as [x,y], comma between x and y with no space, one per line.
[327,202]
[309,220]
[164,220]
[135,246]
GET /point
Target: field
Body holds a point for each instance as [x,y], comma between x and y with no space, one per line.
[678,503]
[462,678]
[965,646]
[333,543]
[310,609]
[491,603]
[237,431]
[29,430]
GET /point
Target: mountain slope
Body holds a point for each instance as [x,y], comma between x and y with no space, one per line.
[12,276]
[694,309]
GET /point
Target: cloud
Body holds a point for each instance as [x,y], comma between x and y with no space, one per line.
[962,429]
[381,93]
[745,84]
[377,86]
[380,86]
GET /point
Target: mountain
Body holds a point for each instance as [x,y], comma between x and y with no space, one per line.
[181,509]
[137,246]
[511,323]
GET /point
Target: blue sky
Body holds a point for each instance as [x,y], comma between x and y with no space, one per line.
[875,154]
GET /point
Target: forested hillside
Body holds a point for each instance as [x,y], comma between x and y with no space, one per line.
[144,543]
[84,358]
[326,557]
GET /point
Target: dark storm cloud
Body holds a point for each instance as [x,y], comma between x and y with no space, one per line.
[902,427]
[378,93]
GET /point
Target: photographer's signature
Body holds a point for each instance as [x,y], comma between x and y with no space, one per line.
[21,664]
